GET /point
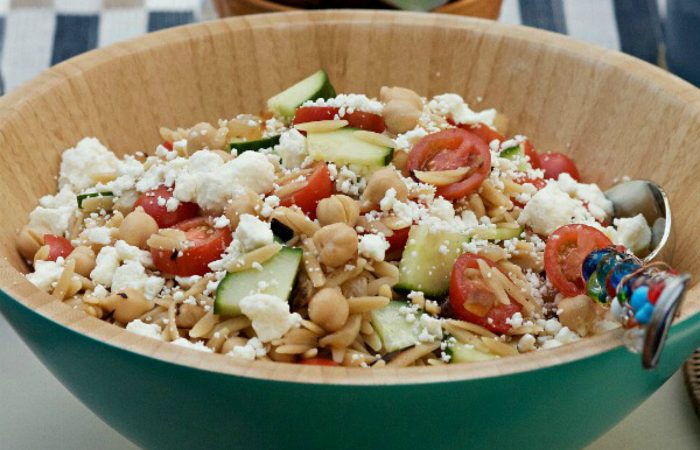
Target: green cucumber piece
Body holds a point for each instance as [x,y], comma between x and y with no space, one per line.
[465,353]
[279,273]
[244,146]
[313,87]
[512,152]
[392,327]
[106,204]
[342,147]
[427,260]
[497,234]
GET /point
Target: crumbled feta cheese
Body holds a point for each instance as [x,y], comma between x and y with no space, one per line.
[199,346]
[551,208]
[106,264]
[566,336]
[349,103]
[453,106]
[221,222]
[80,164]
[526,343]
[128,252]
[551,343]
[633,232]
[269,315]
[408,139]
[145,329]
[252,349]
[269,204]
[99,235]
[253,232]
[552,326]
[373,246]
[251,170]
[55,212]
[292,148]
[516,320]
[598,205]
[46,273]
[431,328]
[132,274]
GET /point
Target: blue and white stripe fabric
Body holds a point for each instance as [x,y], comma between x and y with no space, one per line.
[35,34]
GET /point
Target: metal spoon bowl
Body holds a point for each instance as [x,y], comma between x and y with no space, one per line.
[645,197]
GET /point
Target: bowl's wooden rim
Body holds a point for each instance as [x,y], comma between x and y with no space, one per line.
[17,287]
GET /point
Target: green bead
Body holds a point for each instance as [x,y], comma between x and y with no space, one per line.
[595,290]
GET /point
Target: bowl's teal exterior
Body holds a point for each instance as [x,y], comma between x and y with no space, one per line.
[158,404]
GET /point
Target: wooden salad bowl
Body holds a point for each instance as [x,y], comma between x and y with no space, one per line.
[614,114]
[488,9]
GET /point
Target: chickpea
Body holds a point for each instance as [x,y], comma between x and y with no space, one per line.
[137,227]
[389,94]
[204,135]
[246,203]
[29,241]
[400,161]
[338,209]
[245,126]
[401,116]
[84,258]
[578,313]
[381,181]
[336,244]
[329,309]
[127,306]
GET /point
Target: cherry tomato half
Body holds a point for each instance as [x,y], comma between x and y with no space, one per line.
[318,186]
[154,202]
[356,119]
[206,244]
[451,149]
[531,153]
[564,253]
[58,246]
[554,164]
[473,300]
[319,362]
[485,132]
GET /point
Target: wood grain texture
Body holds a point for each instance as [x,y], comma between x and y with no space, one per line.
[487,9]
[615,115]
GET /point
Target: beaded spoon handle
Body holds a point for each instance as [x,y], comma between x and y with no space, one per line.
[643,296]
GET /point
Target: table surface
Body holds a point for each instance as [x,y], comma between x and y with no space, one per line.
[36,411]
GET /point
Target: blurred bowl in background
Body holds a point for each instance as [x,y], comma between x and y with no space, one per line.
[488,9]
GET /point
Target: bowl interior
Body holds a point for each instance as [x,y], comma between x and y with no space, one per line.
[615,115]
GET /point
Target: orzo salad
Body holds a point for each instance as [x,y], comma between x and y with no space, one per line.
[332,230]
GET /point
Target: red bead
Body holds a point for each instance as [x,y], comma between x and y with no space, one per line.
[655,291]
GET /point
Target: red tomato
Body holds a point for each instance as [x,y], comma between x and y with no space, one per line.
[554,164]
[168,145]
[451,149]
[485,132]
[157,209]
[318,186]
[206,244]
[356,119]
[397,241]
[564,253]
[531,153]
[319,362]
[58,246]
[473,300]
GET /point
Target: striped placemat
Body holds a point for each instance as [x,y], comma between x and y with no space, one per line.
[35,34]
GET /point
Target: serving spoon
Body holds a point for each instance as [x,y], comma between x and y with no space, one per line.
[629,199]
[634,197]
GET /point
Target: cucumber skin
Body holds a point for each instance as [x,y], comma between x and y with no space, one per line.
[463,355]
[245,146]
[234,310]
[510,152]
[499,234]
[325,91]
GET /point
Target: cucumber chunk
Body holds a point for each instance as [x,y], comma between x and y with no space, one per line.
[342,147]
[95,201]
[311,88]
[392,327]
[426,264]
[244,146]
[497,234]
[276,278]
[465,353]
[512,152]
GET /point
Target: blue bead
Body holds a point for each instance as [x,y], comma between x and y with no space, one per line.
[639,298]
[644,315]
[592,260]
[620,271]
